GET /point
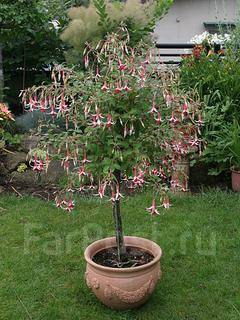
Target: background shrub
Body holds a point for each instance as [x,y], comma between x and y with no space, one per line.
[216,80]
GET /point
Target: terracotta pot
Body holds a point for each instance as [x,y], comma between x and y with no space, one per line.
[128,288]
[235,179]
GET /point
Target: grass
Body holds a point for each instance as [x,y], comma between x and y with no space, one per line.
[42,266]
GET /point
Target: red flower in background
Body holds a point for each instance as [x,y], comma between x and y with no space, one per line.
[5,113]
[197,51]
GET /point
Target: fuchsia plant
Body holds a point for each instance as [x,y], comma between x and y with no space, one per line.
[185,125]
[123,126]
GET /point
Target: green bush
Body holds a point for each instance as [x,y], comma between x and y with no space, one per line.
[216,80]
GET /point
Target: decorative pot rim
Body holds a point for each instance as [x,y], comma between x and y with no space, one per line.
[88,256]
[235,170]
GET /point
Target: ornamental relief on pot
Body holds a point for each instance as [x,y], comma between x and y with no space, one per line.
[92,282]
[130,296]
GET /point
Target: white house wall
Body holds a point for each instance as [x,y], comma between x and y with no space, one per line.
[186,18]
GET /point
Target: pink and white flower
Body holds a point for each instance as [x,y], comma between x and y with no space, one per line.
[126,88]
[86,61]
[110,122]
[155,172]
[43,105]
[185,110]
[169,99]
[153,209]
[173,120]
[121,66]
[63,105]
[38,164]
[159,118]
[97,118]
[138,178]
[105,87]
[118,89]
[98,73]
[118,195]
[200,122]
[153,108]
[69,205]
[81,172]
[166,203]
[85,160]
[101,189]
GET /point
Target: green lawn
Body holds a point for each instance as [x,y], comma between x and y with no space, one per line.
[42,266]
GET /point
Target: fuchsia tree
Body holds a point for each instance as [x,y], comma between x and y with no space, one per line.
[118,126]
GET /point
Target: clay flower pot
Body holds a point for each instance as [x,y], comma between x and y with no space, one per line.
[235,179]
[126,288]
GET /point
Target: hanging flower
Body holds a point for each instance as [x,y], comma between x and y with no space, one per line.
[126,88]
[153,209]
[104,87]
[43,105]
[159,118]
[109,121]
[153,108]
[185,111]
[113,195]
[118,89]
[147,60]
[66,165]
[97,73]
[101,189]
[70,205]
[155,172]
[200,121]
[81,172]
[138,178]
[166,203]
[85,160]
[97,118]
[38,164]
[53,113]
[118,195]
[62,105]
[173,120]
[168,99]
[35,102]
[86,61]
[121,66]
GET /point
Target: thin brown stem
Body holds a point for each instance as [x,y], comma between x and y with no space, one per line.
[118,222]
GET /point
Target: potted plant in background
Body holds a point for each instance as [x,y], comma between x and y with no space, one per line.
[117,128]
[226,146]
[185,121]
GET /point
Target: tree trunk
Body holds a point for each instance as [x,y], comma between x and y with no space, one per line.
[1,75]
[118,221]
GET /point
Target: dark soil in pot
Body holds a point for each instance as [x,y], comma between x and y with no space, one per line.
[134,257]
